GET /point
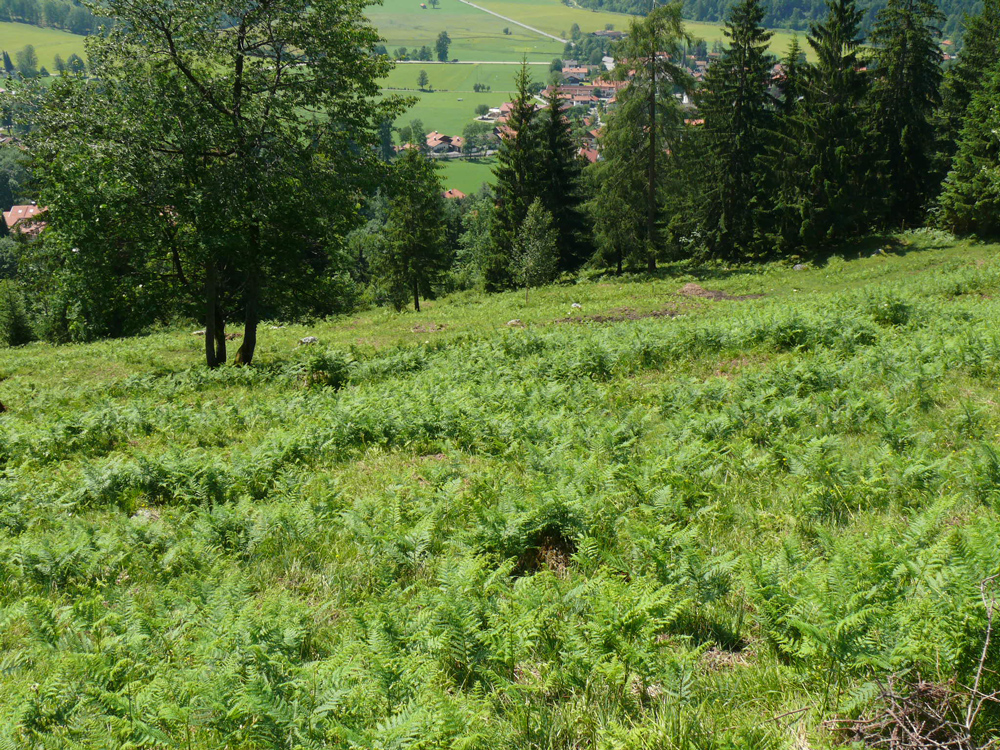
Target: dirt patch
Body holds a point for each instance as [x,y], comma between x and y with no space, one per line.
[429,328]
[694,290]
[620,315]
[716,660]
[553,551]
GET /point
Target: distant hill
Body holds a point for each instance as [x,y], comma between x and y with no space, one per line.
[787,14]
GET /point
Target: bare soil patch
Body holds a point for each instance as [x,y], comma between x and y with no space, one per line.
[694,290]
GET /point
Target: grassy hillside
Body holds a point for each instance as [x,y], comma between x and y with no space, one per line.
[48,42]
[662,520]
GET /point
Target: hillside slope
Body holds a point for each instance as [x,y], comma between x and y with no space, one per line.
[680,517]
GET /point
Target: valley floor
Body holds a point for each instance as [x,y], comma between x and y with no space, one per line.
[706,510]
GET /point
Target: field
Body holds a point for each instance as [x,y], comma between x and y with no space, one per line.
[555,17]
[467,176]
[48,42]
[475,35]
[668,519]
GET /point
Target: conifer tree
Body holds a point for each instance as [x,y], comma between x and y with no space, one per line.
[981,40]
[413,254]
[518,182]
[905,94]
[970,199]
[792,83]
[8,64]
[828,170]
[562,185]
[639,132]
[737,112]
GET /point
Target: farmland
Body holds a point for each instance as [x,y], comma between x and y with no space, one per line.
[48,42]
[671,518]
[467,176]
[475,35]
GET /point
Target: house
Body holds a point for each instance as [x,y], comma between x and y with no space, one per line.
[575,75]
[23,220]
[590,154]
[610,34]
[453,194]
[438,143]
[608,63]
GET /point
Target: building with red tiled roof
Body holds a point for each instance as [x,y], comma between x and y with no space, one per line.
[590,154]
[453,194]
[26,214]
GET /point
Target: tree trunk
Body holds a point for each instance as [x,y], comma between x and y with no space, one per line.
[416,295]
[220,335]
[211,307]
[620,255]
[651,196]
[245,354]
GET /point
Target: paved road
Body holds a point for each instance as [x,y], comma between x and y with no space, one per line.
[465,62]
[516,23]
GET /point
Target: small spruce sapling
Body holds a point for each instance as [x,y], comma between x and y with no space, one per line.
[536,252]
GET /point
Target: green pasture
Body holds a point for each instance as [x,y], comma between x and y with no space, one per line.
[467,176]
[555,17]
[475,35]
[48,42]
[461,77]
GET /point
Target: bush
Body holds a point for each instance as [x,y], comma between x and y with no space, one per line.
[330,369]
[15,326]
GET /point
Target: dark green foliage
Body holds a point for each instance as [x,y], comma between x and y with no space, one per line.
[737,106]
[823,166]
[639,135]
[15,325]
[966,77]
[970,198]
[413,256]
[442,45]
[904,95]
[518,182]
[562,189]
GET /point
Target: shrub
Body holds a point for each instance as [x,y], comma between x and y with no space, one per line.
[15,326]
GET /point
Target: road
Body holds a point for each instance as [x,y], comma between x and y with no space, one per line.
[465,62]
[516,23]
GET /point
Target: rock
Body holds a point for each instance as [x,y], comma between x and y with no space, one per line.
[309,340]
[233,336]
[799,267]
[146,514]
[516,323]
[198,333]
[577,306]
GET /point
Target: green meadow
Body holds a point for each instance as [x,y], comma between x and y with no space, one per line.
[475,35]
[47,42]
[467,176]
[629,513]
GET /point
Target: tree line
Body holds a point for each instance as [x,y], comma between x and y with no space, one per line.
[788,14]
[263,182]
[71,16]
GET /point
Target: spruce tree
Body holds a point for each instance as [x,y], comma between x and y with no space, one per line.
[904,96]
[792,83]
[835,161]
[413,254]
[8,65]
[970,198]
[639,133]
[737,110]
[980,42]
[562,185]
[518,182]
